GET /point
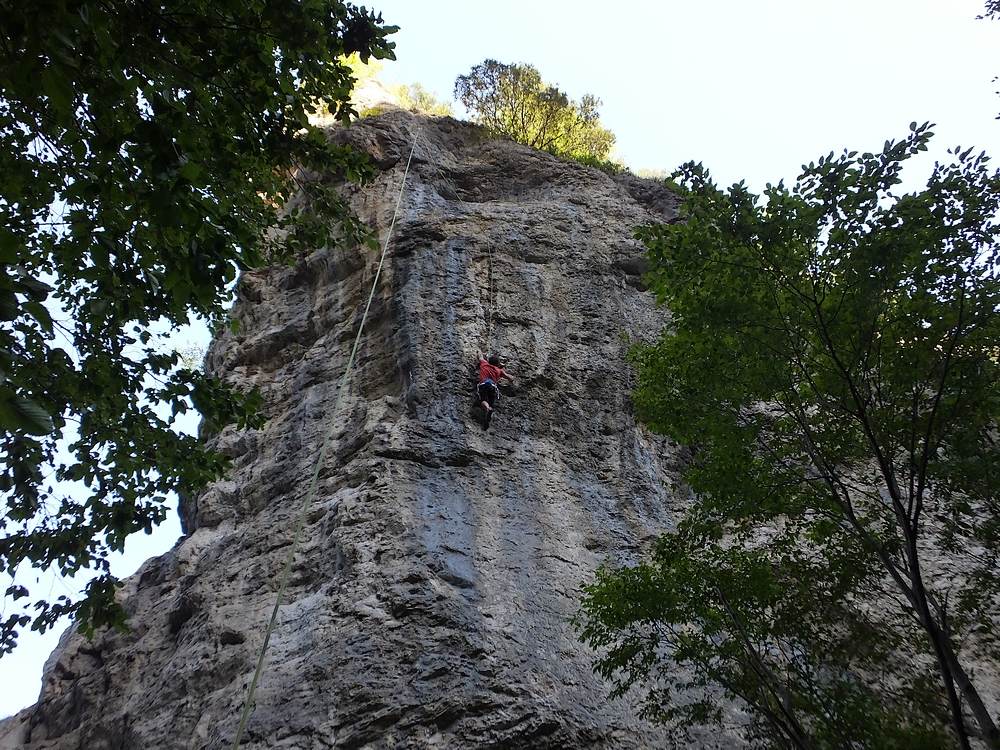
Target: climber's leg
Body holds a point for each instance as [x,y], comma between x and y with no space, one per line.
[486,392]
[487,395]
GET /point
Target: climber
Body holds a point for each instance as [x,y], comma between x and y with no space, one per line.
[488,389]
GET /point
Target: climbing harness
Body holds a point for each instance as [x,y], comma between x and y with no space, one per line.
[311,492]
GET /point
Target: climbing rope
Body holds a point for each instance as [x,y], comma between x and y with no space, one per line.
[490,298]
[321,458]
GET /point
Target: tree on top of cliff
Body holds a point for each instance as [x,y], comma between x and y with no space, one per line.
[513,101]
[415,97]
[832,361]
[144,150]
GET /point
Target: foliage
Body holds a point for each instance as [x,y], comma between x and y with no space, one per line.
[608,166]
[513,101]
[410,96]
[144,150]
[742,622]
[832,362]
[363,71]
[416,97]
[191,356]
[650,173]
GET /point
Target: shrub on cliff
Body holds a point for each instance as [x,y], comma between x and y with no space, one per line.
[416,97]
[832,362]
[144,149]
[513,101]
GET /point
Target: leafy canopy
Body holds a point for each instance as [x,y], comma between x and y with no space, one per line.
[832,362]
[144,150]
[513,101]
[411,96]
[415,97]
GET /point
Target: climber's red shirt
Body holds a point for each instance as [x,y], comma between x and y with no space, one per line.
[489,372]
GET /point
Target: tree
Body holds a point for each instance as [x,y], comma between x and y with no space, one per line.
[416,97]
[832,362]
[144,149]
[513,101]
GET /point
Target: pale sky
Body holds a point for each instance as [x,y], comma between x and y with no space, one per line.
[751,88]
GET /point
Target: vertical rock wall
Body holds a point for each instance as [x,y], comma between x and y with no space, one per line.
[430,598]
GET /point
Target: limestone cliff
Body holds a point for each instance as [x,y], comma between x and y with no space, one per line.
[430,600]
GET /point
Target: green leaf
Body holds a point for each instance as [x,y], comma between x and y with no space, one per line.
[38,311]
[30,417]
[38,290]
[10,246]
[190,171]
[56,86]
[9,309]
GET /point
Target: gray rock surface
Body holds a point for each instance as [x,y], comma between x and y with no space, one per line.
[431,596]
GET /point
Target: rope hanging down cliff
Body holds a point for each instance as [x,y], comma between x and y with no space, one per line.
[320,459]
[490,298]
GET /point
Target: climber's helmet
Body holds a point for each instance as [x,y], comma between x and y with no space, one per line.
[495,360]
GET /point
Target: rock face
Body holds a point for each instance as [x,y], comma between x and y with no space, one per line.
[431,596]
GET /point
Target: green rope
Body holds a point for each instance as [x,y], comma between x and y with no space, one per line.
[311,493]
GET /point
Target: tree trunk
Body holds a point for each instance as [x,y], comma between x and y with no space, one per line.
[987,726]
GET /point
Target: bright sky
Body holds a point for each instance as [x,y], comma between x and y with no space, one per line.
[751,88]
